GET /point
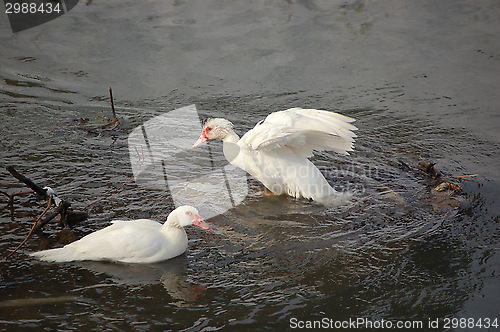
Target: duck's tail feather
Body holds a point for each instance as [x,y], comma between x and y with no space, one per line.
[65,254]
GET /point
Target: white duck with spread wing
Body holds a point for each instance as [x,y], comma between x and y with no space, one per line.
[134,241]
[277,149]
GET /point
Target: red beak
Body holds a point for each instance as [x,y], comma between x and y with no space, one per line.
[200,222]
[203,138]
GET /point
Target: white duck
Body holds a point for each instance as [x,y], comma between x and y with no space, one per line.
[134,241]
[275,151]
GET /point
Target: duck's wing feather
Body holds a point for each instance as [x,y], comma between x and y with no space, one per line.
[123,239]
[302,130]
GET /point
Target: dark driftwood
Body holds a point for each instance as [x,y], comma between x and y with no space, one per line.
[63,209]
[113,106]
[36,188]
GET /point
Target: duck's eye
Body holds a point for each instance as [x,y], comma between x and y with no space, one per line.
[209,128]
[189,213]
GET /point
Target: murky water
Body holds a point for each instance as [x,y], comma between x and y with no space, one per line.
[421,80]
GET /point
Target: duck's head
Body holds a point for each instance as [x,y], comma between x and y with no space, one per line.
[214,129]
[188,215]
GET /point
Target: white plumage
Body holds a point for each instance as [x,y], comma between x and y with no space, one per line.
[134,241]
[275,151]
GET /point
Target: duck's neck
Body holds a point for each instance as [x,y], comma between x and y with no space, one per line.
[172,221]
[230,146]
[231,137]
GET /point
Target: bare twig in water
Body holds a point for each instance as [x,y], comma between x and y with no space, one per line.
[11,199]
[63,210]
[19,194]
[113,105]
[465,176]
[115,121]
[104,117]
[49,202]
[110,124]
[62,207]
[36,188]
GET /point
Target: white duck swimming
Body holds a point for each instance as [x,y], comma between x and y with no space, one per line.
[134,241]
[275,151]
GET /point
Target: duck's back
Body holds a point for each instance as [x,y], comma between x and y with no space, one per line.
[137,241]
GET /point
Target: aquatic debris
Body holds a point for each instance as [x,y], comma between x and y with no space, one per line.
[448,187]
[429,169]
[446,193]
[465,176]
[62,207]
[441,184]
[111,127]
[115,120]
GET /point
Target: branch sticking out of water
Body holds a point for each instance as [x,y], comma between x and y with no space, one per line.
[36,188]
[115,121]
[49,202]
[67,216]
[113,105]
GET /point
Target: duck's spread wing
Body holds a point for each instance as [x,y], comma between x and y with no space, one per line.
[302,130]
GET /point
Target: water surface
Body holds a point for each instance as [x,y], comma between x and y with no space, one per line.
[421,80]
